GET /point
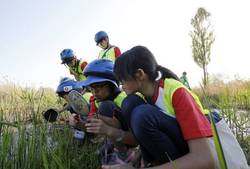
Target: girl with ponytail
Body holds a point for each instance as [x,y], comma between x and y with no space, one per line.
[168,122]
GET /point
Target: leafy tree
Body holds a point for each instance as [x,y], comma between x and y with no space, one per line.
[202,39]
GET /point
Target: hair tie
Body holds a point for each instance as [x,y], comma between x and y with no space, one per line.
[159,75]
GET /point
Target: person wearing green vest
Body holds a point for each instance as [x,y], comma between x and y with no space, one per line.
[104,87]
[74,65]
[168,124]
[184,80]
[105,108]
[108,51]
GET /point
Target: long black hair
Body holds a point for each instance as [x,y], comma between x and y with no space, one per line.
[139,57]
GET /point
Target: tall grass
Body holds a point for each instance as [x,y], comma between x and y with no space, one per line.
[28,142]
[233,101]
[41,149]
[48,146]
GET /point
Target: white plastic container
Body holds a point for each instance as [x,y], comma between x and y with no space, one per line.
[79,134]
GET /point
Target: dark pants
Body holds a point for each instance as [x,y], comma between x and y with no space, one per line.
[109,109]
[158,134]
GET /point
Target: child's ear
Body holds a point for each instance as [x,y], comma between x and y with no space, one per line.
[140,74]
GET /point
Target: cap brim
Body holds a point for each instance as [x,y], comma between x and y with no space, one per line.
[65,61]
[94,79]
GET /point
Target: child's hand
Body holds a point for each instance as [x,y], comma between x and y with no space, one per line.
[97,126]
[76,121]
[73,120]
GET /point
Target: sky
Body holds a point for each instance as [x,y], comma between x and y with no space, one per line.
[34,32]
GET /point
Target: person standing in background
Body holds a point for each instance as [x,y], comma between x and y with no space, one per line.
[108,51]
[184,80]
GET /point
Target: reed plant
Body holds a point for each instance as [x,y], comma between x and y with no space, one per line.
[28,142]
[233,101]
